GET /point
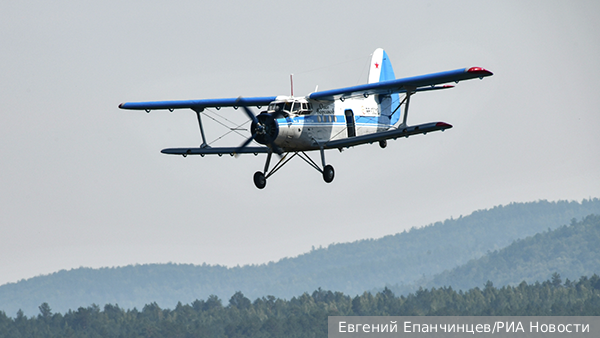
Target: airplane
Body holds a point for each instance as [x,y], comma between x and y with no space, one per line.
[330,119]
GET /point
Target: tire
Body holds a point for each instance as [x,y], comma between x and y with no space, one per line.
[259,180]
[328,173]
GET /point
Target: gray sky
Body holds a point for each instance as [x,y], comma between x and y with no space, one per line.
[83,183]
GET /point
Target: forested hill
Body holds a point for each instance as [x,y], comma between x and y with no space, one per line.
[350,268]
[571,251]
[305,315]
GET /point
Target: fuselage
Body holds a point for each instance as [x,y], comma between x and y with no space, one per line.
[311,123]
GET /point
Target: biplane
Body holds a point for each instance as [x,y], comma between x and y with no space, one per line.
[290,126]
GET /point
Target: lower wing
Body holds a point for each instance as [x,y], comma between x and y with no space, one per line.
[216,151]
[386,135]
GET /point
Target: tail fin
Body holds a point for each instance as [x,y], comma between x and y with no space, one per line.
[381,67]
[381,70]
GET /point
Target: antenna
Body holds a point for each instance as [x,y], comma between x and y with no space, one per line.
[292,83]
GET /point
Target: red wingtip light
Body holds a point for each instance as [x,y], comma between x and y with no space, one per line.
[444,125]
[479,70]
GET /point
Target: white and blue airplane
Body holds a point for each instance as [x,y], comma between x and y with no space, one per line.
[330,119]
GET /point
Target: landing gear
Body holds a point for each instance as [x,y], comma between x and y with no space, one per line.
[260,177]
[383,143]
[328,173]
[259,180]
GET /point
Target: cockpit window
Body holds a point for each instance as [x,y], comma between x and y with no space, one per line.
[297,106]
[276,106]
[293,107]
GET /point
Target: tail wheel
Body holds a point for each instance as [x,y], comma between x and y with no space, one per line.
[328,173]
[259,180]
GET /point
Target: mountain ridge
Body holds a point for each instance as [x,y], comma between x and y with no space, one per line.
[351,268]
[573,250]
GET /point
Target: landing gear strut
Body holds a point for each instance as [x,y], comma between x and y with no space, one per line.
[260,177]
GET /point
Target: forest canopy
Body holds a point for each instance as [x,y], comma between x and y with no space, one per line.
[306,315]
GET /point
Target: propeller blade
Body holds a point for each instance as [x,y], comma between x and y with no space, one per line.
[247,110]
[244,145]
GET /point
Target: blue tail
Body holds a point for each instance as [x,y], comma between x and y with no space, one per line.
[381,70]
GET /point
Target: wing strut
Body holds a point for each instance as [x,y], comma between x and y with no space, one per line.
[204,144]
[408,94]
[406,99]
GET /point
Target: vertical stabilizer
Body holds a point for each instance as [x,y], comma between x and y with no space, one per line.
[381,70]
[381,67]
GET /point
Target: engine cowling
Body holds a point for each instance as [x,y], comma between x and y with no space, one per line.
[265,129]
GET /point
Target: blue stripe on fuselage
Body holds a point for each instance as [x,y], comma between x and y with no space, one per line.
[313,121]
[339,119]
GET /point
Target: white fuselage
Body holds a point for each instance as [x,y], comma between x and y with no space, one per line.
[329,120]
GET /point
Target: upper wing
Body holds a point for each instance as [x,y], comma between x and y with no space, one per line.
[416,83]
[198,105]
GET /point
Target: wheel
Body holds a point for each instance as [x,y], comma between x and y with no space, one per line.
[259,180]
[328,173]
[383,143]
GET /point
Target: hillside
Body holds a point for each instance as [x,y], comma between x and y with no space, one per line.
[351,268]
[572,251]
[306,315]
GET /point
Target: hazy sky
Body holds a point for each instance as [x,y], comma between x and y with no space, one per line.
[83,183]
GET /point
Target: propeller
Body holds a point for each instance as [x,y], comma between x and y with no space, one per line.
[264,128]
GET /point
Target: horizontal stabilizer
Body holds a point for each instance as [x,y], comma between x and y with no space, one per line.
[386,135]
[215,151]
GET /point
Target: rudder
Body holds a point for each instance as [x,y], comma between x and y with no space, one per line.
[381,70]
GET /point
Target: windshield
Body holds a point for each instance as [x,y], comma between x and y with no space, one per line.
[287,106]
[294,107]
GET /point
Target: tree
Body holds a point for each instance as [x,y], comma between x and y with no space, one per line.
[240,301]
[556,280]
[45,311]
